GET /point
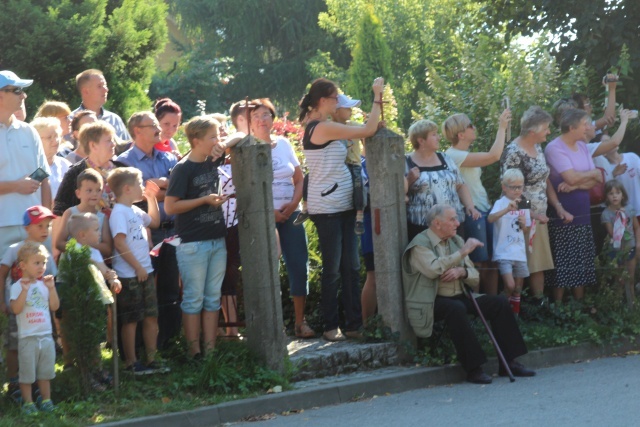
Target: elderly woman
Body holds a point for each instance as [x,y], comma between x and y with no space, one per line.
[432,177]
[330,202]
[524,153]
[287,193]
[50,134]
[572,174]
[97,140]
[459,130]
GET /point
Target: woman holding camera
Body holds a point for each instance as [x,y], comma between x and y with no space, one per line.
[459,130]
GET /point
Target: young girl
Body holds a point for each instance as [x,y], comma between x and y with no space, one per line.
[624,233]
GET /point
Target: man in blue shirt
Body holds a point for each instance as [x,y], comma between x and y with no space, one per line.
[94,90]
[155,166]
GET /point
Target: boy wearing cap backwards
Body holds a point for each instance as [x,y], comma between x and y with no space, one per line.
[354,151]
[33,297]
[36,221]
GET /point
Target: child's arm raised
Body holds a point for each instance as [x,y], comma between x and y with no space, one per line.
[150,191]
[54,301]
[17,305]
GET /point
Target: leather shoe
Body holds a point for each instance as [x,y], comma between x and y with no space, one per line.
[517,369]
[477,376]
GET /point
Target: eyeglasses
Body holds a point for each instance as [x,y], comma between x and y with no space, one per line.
[333,97]
[515,187]
[148,126]
[15,90]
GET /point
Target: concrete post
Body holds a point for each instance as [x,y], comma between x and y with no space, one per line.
[385,166]
[253,177]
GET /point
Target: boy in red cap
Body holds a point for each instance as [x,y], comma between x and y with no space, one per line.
[37,223]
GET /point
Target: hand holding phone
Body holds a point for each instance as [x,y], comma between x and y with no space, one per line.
[39,175]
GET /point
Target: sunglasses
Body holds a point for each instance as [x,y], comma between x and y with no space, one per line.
[15,90]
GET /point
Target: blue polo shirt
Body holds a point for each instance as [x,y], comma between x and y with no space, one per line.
[156,166]
[112,118]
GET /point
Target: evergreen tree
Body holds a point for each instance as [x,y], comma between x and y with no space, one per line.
[84,317]
[371,59]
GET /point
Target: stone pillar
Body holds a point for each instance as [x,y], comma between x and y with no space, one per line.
[253,177]
[385,165]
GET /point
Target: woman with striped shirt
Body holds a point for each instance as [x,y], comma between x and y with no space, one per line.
[330,202]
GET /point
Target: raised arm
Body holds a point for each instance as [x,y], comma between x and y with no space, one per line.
[495,152]
[616,138]
[610,110]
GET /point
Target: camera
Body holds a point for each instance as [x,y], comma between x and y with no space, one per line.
[524,203]
[634,114]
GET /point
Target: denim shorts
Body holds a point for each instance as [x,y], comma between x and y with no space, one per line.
[517,268]
[482,230]
[202,266]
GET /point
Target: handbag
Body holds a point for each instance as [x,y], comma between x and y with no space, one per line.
[596,193]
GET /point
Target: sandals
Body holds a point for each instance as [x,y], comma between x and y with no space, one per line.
[304,331]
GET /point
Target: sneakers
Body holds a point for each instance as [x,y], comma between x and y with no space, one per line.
[30,409]
[47,406]
[302,217]
[359,228]
[158,367]
[138,369]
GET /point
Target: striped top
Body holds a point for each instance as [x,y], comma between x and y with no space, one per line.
[330,187]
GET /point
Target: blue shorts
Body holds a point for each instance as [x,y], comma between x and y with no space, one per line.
[615,254]
[482,230]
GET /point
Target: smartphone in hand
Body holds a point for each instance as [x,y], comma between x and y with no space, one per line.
[39,175]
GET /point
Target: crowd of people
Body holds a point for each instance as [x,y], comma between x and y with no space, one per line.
[125,189]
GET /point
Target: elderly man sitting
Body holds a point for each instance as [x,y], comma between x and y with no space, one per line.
[435,267]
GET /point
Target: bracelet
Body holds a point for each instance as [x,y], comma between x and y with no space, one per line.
[379,102]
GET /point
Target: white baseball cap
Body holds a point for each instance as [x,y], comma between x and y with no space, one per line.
[345,102]
[9,78]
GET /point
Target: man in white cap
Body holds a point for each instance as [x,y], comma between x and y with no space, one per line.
[23,164]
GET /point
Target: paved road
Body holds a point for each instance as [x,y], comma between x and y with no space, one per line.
[604,392]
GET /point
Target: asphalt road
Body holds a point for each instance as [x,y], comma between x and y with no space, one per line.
[603,392]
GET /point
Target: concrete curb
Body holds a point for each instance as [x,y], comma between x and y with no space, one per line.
[343,391]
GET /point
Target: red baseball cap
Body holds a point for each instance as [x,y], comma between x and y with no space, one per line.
[35,215]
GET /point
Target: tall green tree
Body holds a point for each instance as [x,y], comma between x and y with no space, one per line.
[371,58]
[246,48]
[593,32]
[51,41]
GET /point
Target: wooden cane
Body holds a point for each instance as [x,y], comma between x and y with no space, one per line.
[490,333]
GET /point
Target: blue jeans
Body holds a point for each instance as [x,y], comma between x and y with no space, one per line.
[202,266]
[340,264]
[293,242]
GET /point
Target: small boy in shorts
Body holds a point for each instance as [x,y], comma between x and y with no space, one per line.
[32,299]
[511,225]
[137,301]
[37,222]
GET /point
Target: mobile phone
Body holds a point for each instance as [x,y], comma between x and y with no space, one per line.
[39,175]
[506,103]
[524,203]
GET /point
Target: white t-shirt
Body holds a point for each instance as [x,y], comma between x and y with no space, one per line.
[284,165]
[95,254]
[21,153]
[10,259]
[630,179]
[472,177]
[35,318]
[59,167]
[509,243]
[131,221]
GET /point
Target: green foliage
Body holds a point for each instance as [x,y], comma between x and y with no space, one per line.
[371,59]
[52,41]
[84,317]
[247,49]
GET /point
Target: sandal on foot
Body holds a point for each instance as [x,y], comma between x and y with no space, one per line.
[304,331]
